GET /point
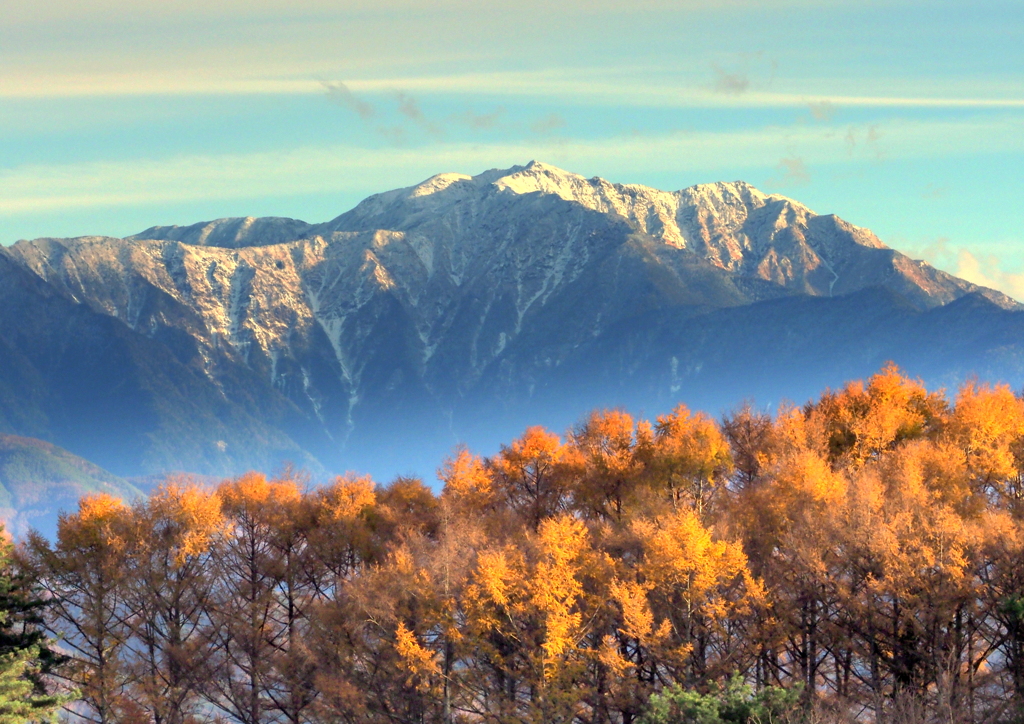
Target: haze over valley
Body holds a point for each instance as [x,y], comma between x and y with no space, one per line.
[462,310]
[479,362]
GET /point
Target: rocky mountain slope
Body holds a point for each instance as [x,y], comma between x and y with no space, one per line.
[462,305]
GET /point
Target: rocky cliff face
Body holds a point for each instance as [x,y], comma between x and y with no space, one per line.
[437,303]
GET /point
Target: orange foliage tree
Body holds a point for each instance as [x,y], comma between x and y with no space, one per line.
[867,548]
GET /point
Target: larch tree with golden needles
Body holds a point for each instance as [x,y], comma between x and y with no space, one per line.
[789,547]
[291,520]
[529,609]
[986,433]
[245,630]
[83,574]
[690,459]
[365,633]
[987,426]
[530,475]
[751,440]
[495,601]
[340,541]
[468,486]
[341,535]
[603,461]
[698,586]
[172,542]
[859,558]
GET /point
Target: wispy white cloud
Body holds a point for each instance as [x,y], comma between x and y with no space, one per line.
[744,72]
[822,110]
[61,48]
[597,85]
[409,109]
[49,11]
[480,121]
[991,270]
[548,124]
[323,169]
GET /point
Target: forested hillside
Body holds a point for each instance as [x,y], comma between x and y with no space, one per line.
[863,554]
[38,479]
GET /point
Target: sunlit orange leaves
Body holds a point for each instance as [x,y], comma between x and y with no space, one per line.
[986,424]
[466,479]
[252,494]
[681,555]
[95,524]
[868,547]
[184,517]
[346,497]
[862,421]
[691,456]
[555,583]
[416,660]
[494,578]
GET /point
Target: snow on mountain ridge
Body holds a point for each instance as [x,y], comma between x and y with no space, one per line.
[703,218]
[422,243]
[436,291]
[499,247]
[231,233]
[439,183]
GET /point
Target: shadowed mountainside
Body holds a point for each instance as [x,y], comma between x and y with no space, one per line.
[461,309]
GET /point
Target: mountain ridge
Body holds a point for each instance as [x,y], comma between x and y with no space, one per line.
[711,210]
[437,302]
[38,479]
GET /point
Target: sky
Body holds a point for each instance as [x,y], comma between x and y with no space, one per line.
[901,116]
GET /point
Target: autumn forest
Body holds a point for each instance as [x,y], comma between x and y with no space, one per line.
[860,558]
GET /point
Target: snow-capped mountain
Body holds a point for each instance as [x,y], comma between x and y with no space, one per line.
[426,312]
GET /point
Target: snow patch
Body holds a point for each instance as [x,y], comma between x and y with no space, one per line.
[437,183]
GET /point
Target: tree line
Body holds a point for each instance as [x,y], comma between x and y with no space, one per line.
[860,557]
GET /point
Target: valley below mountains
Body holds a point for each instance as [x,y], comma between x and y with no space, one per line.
[462,310]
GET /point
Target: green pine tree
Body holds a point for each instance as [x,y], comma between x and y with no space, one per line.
[26,657]
[20,700]
[735,703]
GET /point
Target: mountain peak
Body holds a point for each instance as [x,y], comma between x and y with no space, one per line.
[437,183]
[721,190]
[540,168]
[531,168]
[241,341]
[545,178]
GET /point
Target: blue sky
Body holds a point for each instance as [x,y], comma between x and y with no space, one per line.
[904,117]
